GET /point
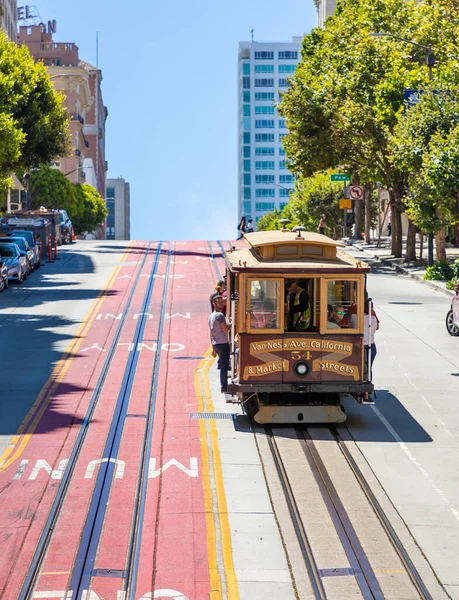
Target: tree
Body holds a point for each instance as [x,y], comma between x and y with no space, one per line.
[426,143]
[51,189]
[270,221]
[93,211]
[33,122]
[347,94]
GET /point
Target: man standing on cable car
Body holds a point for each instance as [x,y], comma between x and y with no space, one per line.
[297,306]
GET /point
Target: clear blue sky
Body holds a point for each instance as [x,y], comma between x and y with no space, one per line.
[170,85]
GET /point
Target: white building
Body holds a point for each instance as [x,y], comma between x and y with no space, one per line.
[118,222]
[9,18]
[263,71]
[325,8]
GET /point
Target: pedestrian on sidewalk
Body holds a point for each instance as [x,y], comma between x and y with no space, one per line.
[322,226]
[370,326]
[241,228]
[219,328]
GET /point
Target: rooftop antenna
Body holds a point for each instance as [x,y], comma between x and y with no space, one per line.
[251,32]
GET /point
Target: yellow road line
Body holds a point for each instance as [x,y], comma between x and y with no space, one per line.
[215,582]
[13,451]
[230,575]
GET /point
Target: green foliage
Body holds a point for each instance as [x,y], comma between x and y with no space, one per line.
[84,205]
[93,211]
[270,221]
[440,271]
[455,278]
[426,144]
[33,122]
[51,189]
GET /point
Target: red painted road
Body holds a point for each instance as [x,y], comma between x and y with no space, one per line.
[173,538]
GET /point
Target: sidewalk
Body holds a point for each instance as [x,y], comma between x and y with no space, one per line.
[383,256]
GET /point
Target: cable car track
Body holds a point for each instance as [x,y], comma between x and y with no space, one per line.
[89,542]
[358,560]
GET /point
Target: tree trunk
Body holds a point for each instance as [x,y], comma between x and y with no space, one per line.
[440,245]
[367,215]
[421,244]
[358,220]
[410,253]
[396,220]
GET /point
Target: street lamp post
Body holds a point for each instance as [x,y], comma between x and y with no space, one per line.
[77,169]
[431,60]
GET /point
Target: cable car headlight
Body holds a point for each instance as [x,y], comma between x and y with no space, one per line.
[301,368]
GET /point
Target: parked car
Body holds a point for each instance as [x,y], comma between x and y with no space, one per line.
[33,244]
[452,318]
[11,256]
[66,227]
[23,248]
[3,275]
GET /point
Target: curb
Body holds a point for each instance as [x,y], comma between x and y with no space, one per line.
[415,276]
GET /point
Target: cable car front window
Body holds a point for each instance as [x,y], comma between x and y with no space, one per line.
[264,309]
[342,303]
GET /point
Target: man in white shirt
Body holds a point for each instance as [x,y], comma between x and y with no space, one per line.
[219,338]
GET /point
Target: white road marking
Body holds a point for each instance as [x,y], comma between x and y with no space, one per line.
[415,462]
[191,472]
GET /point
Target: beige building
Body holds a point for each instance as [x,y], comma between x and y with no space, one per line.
[9,18]
[81,84]
[325,8]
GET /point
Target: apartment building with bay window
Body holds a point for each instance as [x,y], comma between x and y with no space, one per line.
[264,69]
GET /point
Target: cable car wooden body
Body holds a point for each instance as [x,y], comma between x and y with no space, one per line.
[282,371]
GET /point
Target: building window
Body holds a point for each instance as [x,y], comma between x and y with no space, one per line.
[247,179]
[264,178]
[288,55]
[264,151]
[281,151]
[282,164]
[246,68]
[246,96]
[287,68]
[246,151]
[264,55]
[264,164]
[281,136]
[264,96]
[282,205]
[264,82]
[246,123]
[264,124]
[247,193]
[283,83]
[110,220]
[247,207]
[281,123]
[246,110]
[264,68]
[264,206]
[110,205]
[264,110]
[247,166]
[246,137]
[110,192]
[246,83]
[264,137]
[283,193]
[285,178]
[265,193]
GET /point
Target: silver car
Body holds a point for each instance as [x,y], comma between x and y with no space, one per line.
[3,275]
[33,245]
[15,263]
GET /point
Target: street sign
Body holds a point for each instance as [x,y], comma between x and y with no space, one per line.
[340,177]
[356,192]
[345,203]
[384,195]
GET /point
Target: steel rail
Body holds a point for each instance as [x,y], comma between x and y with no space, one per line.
[135,542]
[406,561]
[303,541]
[90,538]
[48,529]
[358,560]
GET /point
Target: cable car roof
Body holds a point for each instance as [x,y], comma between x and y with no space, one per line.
[269,238]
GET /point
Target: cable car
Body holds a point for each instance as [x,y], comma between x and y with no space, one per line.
[296,303]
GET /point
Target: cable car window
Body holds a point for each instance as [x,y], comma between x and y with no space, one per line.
[342,302]
[313,250]
[283,250]
[264,310]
